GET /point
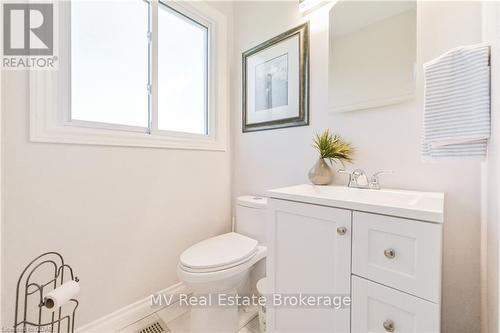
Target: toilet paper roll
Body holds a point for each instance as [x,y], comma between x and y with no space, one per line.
[59,296]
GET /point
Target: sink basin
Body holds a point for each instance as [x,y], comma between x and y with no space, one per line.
[427,206]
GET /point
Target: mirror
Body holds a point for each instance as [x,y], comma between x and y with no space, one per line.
[372,54]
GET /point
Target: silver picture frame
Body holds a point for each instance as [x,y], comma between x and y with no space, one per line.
[264,83]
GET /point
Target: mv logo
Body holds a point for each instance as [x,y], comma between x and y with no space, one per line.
[28,29]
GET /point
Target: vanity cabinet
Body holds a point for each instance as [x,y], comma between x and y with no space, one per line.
[309,252]
[396,274]
[389,265]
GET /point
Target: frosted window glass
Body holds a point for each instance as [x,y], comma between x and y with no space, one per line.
[109,62]
[182,73]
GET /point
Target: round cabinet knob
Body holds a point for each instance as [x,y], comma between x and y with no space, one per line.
[390,253]
[341,230]
[389,326]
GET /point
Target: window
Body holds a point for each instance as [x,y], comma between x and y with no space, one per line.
[139,73]
[182,73]
[104,92]
[109,62]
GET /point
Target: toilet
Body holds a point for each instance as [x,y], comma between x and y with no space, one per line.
[221,266]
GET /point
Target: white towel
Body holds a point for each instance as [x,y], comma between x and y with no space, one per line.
[457,104]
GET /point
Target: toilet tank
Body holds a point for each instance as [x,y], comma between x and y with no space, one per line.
[251,217]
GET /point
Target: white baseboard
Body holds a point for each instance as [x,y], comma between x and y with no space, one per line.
[134,312]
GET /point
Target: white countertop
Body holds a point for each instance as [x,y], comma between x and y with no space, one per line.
[426,206]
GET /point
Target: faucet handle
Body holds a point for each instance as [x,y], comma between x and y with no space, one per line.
[375,182]
[383,172]
[346,172]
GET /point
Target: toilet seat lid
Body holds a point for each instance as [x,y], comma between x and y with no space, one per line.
[219,251]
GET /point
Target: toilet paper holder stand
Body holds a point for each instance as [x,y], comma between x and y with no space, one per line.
[26,290]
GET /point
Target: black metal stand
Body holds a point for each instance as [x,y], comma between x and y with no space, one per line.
[28,290]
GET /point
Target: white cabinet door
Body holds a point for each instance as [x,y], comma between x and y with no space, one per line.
[400,253]
[309,253]
[376,308]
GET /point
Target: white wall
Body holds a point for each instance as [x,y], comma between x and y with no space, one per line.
[386,138]
[1,191]
[491,182]
[120,216]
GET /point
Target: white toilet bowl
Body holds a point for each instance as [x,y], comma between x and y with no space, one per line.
[219,267]
[216,268]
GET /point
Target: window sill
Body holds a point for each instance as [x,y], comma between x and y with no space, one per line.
[44,128]
[89,136]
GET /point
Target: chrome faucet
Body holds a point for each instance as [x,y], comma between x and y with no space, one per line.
[375,181]
[359,179]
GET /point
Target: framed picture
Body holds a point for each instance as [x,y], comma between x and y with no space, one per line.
[276,82]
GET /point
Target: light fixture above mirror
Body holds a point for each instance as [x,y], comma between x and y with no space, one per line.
[307,6]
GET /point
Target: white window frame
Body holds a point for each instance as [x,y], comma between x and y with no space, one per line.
[50,93]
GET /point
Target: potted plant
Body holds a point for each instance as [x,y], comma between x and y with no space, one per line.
[332,148]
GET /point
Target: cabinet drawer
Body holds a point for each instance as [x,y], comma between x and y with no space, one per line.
[376,308]
[400,253]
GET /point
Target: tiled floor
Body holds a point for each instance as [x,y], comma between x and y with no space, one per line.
[251,327]
[177,320]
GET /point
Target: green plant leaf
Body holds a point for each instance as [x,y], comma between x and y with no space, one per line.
[332,147]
